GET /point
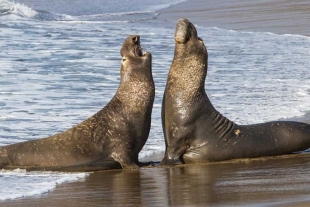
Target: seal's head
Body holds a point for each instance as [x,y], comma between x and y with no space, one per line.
[135,65]
[189,67]
[187,42]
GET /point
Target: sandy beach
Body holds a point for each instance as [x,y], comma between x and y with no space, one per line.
[279,16]
[275,181]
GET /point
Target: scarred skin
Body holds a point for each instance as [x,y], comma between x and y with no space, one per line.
[111,138]
[195,132]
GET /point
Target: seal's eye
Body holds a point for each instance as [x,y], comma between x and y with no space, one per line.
[124,59]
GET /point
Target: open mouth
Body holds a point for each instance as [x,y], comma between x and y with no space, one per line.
[138,51]
[131,47]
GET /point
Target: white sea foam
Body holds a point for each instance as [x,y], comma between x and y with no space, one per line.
[139,12]
[19,183]
[10,7]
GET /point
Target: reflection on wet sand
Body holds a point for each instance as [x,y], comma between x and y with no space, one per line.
[262,181]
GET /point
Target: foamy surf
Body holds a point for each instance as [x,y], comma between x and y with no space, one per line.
[19,183]
[8,7]
[141,14]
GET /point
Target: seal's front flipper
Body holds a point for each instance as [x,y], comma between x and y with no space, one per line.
[131,166]
[167,161]
[126,160]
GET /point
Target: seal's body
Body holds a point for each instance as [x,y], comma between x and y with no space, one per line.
[196,132]
[112,138]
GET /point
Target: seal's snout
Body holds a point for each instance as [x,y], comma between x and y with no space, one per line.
[137,50]
[185,31]
[181,32]
[135,39]
[131,49]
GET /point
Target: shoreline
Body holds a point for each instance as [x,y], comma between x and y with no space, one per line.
[249,182]
[279,17]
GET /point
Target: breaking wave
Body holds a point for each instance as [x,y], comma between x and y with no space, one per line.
[12,8]
[8,7]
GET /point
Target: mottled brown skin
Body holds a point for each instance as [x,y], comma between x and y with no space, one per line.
[195,132]
[112,138]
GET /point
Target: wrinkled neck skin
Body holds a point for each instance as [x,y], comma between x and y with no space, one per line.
[191,81]
[136,89]
[187,75]
[187,98]
[135,94]
[139,93]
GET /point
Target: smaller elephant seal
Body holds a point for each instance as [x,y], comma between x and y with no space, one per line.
[195,132]
[111,138]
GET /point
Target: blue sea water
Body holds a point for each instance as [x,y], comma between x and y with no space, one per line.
[60,62]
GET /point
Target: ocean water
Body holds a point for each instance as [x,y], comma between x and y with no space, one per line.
[60,62]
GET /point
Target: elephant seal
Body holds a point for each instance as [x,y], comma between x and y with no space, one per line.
[111,138]
[195,132]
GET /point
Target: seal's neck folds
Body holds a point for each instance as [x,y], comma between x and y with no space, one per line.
[188,75]
[139,93]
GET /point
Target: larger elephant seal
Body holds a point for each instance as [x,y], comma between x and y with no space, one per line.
[195,132]
[112,138]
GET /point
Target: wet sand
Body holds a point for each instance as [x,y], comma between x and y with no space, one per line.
[278,181]
[281,181]
[277,16]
